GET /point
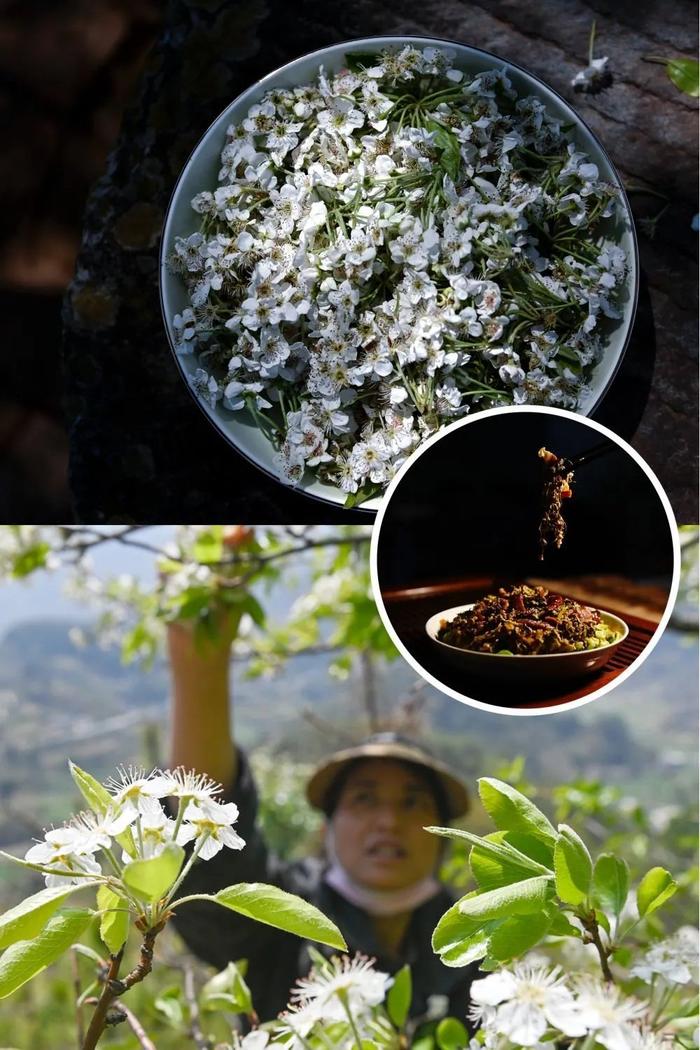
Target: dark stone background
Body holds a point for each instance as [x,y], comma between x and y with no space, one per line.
[67,68]
[139,447]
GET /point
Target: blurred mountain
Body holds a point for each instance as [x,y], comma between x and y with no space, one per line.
[58,700]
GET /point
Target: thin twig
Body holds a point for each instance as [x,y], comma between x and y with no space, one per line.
[137,1028]
[198,1036]
[78,1006]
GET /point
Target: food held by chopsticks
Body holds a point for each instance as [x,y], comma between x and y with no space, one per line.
[557,487]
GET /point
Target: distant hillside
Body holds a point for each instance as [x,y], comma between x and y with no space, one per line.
[57,700]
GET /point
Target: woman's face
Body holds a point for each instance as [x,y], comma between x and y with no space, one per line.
[378,825]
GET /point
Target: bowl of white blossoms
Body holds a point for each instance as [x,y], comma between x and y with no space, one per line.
[381,237]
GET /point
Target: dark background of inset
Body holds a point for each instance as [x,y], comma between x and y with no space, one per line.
[471,504]
[139,447]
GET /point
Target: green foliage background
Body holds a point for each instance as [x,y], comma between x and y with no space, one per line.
[621,773]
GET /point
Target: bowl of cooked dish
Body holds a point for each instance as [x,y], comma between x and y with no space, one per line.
[526,633]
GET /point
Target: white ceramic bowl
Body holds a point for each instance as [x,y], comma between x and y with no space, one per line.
[201,170]
[535,667]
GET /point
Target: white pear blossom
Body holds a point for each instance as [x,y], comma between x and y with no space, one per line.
[338,986]
[65,849]
[371,240]
[675,959]
[209,824]
[524,1002]
[608,1012]
[132,787]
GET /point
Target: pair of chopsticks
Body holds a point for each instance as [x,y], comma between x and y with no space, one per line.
[593,453]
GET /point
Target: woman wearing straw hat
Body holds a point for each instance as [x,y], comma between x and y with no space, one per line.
[378,883]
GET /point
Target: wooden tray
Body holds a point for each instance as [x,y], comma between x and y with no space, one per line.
[409,608]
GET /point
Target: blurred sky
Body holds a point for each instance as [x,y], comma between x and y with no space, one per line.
[41,595]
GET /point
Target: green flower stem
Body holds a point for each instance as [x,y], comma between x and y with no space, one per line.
[300,1037]
[184,801]
[185,871]
[343,997]
[139,834]
[116,866]
[657,1020]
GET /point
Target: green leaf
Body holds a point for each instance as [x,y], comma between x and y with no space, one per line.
[492,871]
[252,606]
[531,846]
[510,810]
[27,561]
[27,919]
[95,794]
[518,935]
[98,798]
[138,643]
[602,920]
[520,898]
[451,1034]
[359,60]
[151,879]
[685,74]
[561,927]
[460,940]
[114,923]
[368,491]
[26,959]
[498,850]
[170,1005]
[448,144]
[611,880]
[227,991]
[284,911]
[655,889]
[573,868]
[208,546]
[398,1001]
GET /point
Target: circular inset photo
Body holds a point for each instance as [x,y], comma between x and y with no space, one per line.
[525,560]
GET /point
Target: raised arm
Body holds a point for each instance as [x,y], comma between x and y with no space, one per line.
[201,730]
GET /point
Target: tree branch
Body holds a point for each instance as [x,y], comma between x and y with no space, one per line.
[590,924]
[107,996]
[114,986]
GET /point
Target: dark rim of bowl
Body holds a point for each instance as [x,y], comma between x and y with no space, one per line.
[162,262]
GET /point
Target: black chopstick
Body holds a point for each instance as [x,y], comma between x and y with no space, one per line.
[593,453]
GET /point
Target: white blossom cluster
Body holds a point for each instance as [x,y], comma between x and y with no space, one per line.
[387,249]
[675,959]
[335,990]
[72,850]
[532,1005]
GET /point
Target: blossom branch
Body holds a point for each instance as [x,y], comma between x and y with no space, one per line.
[107,996]
[592,929]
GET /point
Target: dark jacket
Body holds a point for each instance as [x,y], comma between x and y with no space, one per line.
[276,959]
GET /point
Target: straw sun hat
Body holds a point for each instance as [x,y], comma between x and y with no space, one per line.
[319,788]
